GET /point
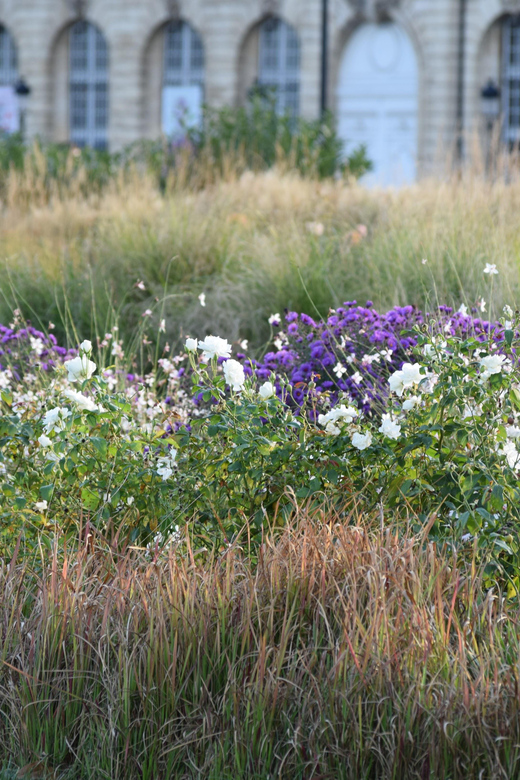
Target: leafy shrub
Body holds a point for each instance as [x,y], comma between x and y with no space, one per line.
[439,443]
[254,137]
[355,350]
[263,136]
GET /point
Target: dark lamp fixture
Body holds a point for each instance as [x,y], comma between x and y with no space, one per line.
[22,89]
[490,101]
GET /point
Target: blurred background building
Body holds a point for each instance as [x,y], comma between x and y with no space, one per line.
[409,78]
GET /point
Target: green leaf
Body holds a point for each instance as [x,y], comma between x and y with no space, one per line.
[46,492]
[514,397]
[100,445]
[7,398]
[8,490]
[508,335]
[89,499]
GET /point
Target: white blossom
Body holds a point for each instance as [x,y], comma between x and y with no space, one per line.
[202,299]
[37,345]
[340,415]
[54,419]
[407,376]
[490,268]
[339,370]
[511,453]
[234,374]
[86,346]
[389,427]
[41,506]
[274,319]
[411,402]
[191,344]
[165,464]
[84,403]
[214,347]
[266,391]
[492,364]
[362,440]
[44,441]
[80,368]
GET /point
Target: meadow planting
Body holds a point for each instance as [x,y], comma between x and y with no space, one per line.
[259,461]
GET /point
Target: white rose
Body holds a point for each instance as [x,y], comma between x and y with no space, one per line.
[44,441]
[511,453]
[266,391]
[340,414]
[234,373]
[41,506]
[409,375]
[84,403]
[389,427]
[492,364]
[79,368]
[54,419]
[214,347]
[362,440]
[165,465]
[86,346]
[414,400]
[191,345]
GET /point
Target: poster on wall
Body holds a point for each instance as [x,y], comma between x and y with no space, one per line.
[181,110]
[9,110]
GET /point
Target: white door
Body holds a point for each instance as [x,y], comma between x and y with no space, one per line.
[377,101]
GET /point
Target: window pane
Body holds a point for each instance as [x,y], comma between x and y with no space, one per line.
[78,106]
[183,55]
[8,65]
[88,85]
[279,64]
[101,106]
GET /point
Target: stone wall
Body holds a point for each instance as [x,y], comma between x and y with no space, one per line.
[133,32]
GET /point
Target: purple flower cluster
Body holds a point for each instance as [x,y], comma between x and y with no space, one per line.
[23,349]
[354,351]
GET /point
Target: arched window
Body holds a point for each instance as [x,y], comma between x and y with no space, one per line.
[279,63]
[183,78]
[88,82]
[8,59]
[511,78]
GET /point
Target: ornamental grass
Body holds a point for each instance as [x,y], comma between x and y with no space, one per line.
[254,244]
[348,651]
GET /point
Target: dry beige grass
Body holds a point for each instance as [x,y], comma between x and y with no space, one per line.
[250,243]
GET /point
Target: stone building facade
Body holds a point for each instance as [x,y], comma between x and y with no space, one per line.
[404,76]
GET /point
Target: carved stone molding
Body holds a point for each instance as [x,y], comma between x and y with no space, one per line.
[270,7]
[377,10]
[173,9]
[78,7]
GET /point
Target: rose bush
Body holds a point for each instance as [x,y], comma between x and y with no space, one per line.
[439,447]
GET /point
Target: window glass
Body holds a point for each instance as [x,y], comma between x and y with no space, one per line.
[88,109]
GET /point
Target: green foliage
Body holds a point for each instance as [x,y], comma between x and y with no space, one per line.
[80,466]
[447,455]
[263,136]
